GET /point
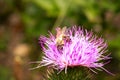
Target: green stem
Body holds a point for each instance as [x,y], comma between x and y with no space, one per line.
[75,73]
[61,15]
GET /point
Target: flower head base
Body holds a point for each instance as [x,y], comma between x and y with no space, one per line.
[73,47]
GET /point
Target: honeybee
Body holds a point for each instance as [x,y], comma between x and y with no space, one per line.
[61,37]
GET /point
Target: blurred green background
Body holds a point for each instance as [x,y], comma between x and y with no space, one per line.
[23,21]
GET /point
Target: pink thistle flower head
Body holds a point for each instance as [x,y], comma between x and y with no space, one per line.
[71,47]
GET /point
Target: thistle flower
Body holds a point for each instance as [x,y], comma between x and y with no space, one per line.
[72,47]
